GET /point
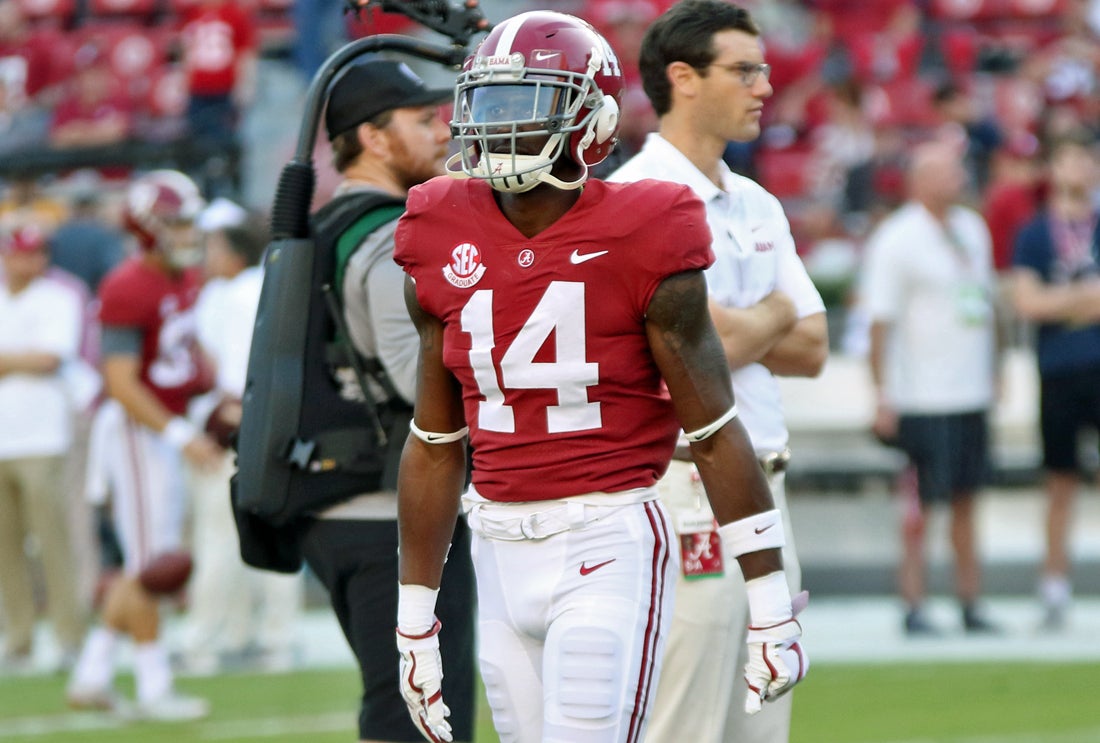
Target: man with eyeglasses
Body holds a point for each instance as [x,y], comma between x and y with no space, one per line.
[702,69]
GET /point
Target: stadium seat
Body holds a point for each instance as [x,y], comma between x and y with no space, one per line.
[967,10]
[137,9]
[274,22]
[876,57]
[784,171]
[905,103]
[167,98]
[55,13]
[1037,8]
[959,45]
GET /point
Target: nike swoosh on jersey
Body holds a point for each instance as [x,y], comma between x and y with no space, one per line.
[762,529]
[586,569]
[577,258]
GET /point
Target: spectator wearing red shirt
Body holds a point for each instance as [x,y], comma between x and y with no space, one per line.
[94,110]
[26,67]
[1012,196]
[219,53]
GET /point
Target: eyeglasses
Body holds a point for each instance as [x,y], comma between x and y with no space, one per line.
[749,71]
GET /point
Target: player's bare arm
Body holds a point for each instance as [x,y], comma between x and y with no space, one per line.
[687,351]
[122,381]
[432,475]
[29,362]
[747,334]
[802,351]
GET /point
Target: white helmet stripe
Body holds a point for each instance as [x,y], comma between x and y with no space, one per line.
[508,37]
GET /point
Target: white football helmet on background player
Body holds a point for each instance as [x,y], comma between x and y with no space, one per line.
[540,74]
[160,211]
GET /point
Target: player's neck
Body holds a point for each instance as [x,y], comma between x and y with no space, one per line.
[535,210]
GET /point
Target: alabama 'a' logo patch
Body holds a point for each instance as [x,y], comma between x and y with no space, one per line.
[465,268]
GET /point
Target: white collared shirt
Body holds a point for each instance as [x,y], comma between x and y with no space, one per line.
[754,255]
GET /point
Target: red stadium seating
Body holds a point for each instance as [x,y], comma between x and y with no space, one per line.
[167,92]
[128,8]
[48,12]
[784,172]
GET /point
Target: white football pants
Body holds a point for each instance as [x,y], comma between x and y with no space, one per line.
[574,600]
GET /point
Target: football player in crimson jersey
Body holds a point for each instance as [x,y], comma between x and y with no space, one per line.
[151,369]
[564,326]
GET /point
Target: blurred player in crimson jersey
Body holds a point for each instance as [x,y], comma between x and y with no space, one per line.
[564,326]
[151,369]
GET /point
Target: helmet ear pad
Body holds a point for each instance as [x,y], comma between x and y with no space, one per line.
[597,139]
[606,120]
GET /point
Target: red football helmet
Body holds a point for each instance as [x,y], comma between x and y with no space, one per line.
[539,73]
[158,201]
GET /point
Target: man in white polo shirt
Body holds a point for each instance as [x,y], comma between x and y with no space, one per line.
[928,286]
[702,68]
[40,326]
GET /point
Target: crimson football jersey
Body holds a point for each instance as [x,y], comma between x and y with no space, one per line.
[547,334]
[135,295]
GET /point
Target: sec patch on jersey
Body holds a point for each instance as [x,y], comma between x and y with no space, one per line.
[167,572]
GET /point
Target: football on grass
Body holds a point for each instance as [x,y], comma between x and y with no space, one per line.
[167,572]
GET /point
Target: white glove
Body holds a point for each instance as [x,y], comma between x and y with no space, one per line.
[421,683]
[776,659]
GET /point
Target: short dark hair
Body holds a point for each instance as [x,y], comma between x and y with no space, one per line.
[685,33]
[248,239]
[1077,139]
[346,147]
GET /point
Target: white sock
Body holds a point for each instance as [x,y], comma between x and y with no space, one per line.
[1055,590]
[151,671]
[95,668]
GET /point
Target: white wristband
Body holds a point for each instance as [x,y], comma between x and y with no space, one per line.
[431,437]
[179,432]
[760,531]
[769,599]
[712,428]
[415,608]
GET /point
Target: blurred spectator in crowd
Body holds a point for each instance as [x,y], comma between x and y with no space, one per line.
[26,202]
[94,111]
[1012,195]
[21,126]
[961,120]
[87,244]
[219,45]
[1068,68]
[26,63]
[844,151]
[39,331]
[257,627]
[929,292]
[1010,201]
[140,438]
[1056,284]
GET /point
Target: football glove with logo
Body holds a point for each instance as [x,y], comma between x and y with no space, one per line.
[421,683]
[776,659]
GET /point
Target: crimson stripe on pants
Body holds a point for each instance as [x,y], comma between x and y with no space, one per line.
[653,622]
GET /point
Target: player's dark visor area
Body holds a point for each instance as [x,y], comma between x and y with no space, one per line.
[507,104]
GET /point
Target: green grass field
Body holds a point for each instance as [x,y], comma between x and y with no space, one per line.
[942,703]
